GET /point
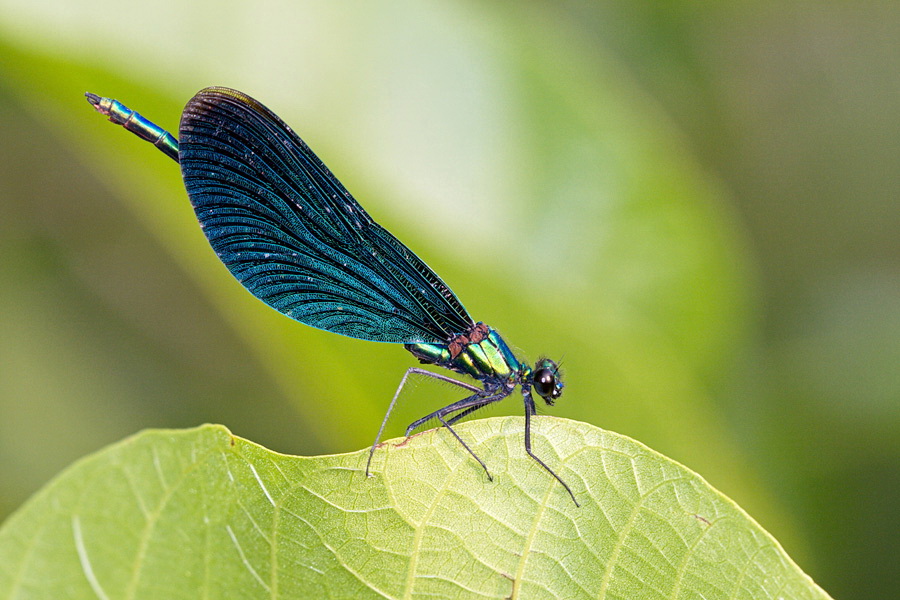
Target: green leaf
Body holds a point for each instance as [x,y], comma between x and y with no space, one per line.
[201,513]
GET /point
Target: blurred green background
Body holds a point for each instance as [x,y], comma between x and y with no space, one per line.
[693,204]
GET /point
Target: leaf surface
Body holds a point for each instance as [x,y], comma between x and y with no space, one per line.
[202,513]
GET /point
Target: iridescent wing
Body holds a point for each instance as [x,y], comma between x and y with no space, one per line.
[291,234]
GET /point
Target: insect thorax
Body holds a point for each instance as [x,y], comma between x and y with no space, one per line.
[480,353]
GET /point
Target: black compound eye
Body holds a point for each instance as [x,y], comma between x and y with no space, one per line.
[544,382]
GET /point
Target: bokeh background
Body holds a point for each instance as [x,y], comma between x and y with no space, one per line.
[693,204]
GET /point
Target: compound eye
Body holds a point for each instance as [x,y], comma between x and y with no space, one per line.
[544,382]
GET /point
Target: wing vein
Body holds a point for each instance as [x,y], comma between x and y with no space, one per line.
[294,237]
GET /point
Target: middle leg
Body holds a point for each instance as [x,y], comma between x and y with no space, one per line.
[411,371]
[466,405]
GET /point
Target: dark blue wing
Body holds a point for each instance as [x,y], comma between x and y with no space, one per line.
[291,234]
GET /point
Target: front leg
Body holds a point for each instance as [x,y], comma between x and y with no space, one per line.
[530,410]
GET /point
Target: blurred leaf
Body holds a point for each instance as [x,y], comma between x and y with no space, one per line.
[558,163]
[641,292]
[203,513]
[555,198]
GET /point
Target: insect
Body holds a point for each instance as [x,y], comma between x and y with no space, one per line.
[296,239]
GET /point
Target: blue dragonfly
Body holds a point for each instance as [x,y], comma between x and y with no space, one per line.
[296,239]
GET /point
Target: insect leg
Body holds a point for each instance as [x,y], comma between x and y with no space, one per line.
[468,412]
[467,405]
[530,410]
[411,371]
[464,405]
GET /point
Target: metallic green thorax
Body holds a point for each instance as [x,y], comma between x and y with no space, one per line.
[488,359]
